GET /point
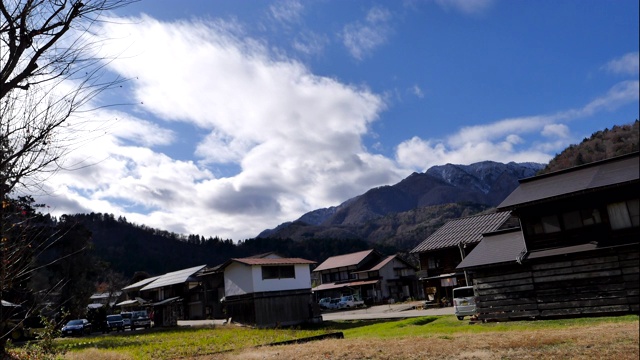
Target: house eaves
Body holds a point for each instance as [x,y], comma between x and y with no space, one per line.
[572,181]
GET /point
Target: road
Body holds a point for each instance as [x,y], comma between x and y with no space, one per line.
[390,311]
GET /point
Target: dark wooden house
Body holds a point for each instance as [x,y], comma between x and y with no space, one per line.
[441,252]
[577,252]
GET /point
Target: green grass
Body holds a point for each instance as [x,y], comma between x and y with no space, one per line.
[449,325]
[184,342]
[189,342]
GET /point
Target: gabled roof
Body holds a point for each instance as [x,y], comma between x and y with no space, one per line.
[589,177]
[384,262]
[467,230]
[172,278]
[499,247]
[346,260]
[270,261]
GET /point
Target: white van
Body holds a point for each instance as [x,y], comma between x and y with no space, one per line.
[464,302]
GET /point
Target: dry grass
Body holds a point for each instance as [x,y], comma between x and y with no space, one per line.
[600,341]
[95,354]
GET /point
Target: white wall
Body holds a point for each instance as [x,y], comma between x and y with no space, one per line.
[301,281]
[238,279]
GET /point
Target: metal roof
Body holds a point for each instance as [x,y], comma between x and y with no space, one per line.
[140,283]
[382,263]
[341,285]
[465,230]
[499,247]
[172,278]
[105,295]
[346,260]
[574,180]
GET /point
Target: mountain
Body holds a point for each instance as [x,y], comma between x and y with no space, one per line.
[389,218]
[403,214]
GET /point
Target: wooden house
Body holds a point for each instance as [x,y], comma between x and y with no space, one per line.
[172,296]
[442,251]
[576,253]
[368,274]
[268,292]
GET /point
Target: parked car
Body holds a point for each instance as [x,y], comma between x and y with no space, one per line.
[77,327]
[464,302]
[329,303]
[324,303]
[350,301]
[126,319]
[114,322]
[140,319]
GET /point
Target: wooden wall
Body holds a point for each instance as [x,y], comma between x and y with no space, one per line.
[270,309]
[582,284]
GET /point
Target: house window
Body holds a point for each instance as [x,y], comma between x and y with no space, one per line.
[580,218]
[433,263]
[624,214]
[550,224]
[278,272]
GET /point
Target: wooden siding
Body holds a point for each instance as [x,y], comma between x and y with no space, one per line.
[590,283]
[270,309]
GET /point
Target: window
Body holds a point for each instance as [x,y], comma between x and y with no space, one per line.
[433,263]
[278,272]
[550,224]
[624,214]
[580,218]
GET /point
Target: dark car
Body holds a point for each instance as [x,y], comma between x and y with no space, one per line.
[77,327]
[126,317]
[114,322]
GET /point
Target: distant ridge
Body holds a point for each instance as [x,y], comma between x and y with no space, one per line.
[464,189]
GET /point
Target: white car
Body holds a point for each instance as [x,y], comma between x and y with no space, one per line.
[350,301]
[464,302]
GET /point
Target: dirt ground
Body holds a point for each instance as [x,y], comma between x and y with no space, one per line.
[606,341]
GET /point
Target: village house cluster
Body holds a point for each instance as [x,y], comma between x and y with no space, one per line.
[562,244]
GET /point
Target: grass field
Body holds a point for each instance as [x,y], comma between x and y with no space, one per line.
[436,337]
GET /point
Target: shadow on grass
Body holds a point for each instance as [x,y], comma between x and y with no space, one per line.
[351,324]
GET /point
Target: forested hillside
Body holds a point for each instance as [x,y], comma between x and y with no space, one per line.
[127,248]
[601,145]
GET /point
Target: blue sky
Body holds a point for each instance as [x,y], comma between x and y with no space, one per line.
[241,115]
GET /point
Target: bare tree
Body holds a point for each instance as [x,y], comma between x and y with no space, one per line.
[50,70]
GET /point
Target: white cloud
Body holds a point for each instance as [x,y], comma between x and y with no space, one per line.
[417,91]
[556,130]
[310,43]
[628,64]
[295,137]
[510,139]
[468,7]
[287,11]
[361,39]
